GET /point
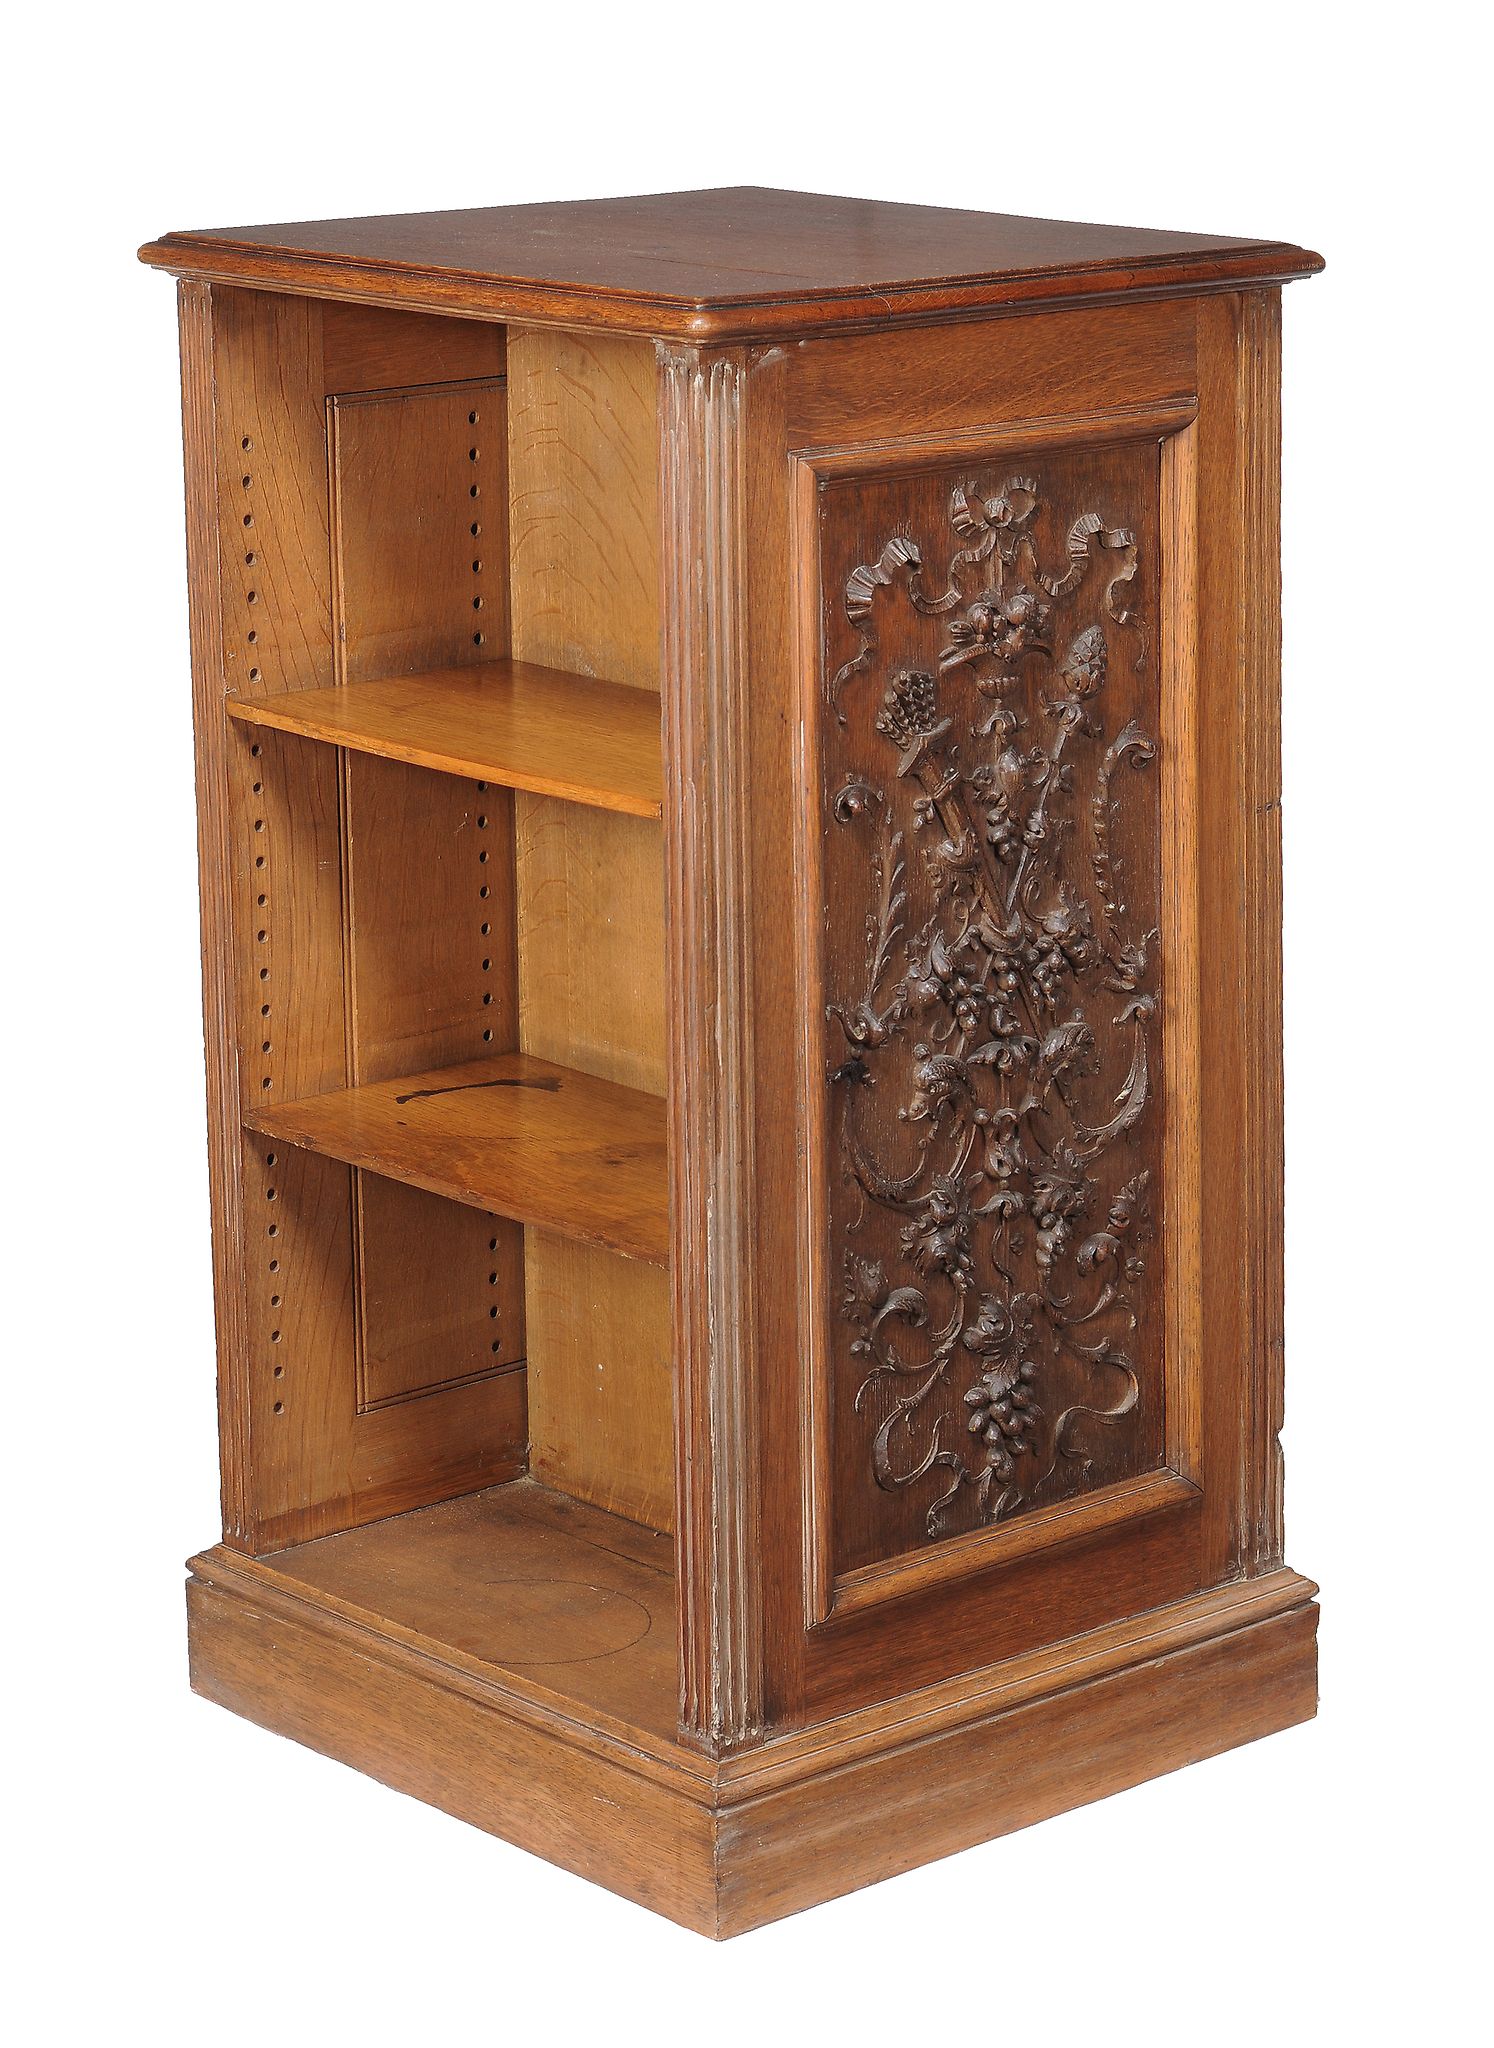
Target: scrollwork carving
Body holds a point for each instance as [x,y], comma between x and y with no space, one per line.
[993,1053]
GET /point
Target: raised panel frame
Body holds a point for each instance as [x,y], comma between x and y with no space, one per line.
[828,1593]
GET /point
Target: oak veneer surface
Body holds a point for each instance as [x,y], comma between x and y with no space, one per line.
[510,722]
[696,511]
[511,1134]
[310,1441]
[518,1704]
[411,591]
[730,261]
[522,1580]
[603,1393]
[428,959]
[589,890]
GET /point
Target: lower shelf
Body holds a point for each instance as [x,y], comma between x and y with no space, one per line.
[521,1585]
[517,1136]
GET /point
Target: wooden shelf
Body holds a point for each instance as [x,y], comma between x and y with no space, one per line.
[507,722]
[510,1134]
[521,1588]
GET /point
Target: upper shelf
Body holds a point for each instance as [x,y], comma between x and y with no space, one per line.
[507,722]
[516,1136]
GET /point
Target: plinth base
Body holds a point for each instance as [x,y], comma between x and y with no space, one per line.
[547,1716]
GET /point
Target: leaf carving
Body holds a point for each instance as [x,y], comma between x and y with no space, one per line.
[1005,1092]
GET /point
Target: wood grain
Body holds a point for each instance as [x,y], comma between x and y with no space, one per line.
[216,868]
[430,981]
[858,390]
[1077,1520]
[1239,684]
[725,264]
[510,722]
[404,1651]
[271,494]
[454,1023]
[899,1479]
[348,1652]
[594,1428]
[591,940]
[567,1603]
[836,395]
[713,1103]
[1180,938]
[431,960]
[442,1300]
[263,481]
[875,1818]
[584,504]
[513,1135]
[371,348]
[430,964]
[419,528]
[590,887]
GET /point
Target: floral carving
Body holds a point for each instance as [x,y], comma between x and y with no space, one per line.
[993,1049]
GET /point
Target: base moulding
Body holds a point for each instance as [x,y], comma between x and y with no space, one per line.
[725,1846]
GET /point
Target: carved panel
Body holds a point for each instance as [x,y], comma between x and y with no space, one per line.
[989,846]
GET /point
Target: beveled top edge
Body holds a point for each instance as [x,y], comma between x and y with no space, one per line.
[733,263]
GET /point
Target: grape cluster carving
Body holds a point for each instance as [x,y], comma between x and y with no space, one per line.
[1007,983]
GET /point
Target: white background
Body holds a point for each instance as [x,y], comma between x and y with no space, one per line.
[184,1878]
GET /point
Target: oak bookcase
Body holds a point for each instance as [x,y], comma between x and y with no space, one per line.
[737,765]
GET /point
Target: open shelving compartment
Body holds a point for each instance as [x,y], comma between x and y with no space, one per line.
[434,918]
[746,1190]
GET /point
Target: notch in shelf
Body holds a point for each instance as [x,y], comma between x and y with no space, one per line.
[513,723]
[517,1136]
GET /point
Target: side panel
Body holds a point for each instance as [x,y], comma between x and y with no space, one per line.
[590,893]
[992,1084]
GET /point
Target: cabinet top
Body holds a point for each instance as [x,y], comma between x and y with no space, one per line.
[735,263]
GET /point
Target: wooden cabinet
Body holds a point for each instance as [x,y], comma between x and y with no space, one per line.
[737,752]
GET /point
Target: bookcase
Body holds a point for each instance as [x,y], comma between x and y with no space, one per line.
[737,772]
